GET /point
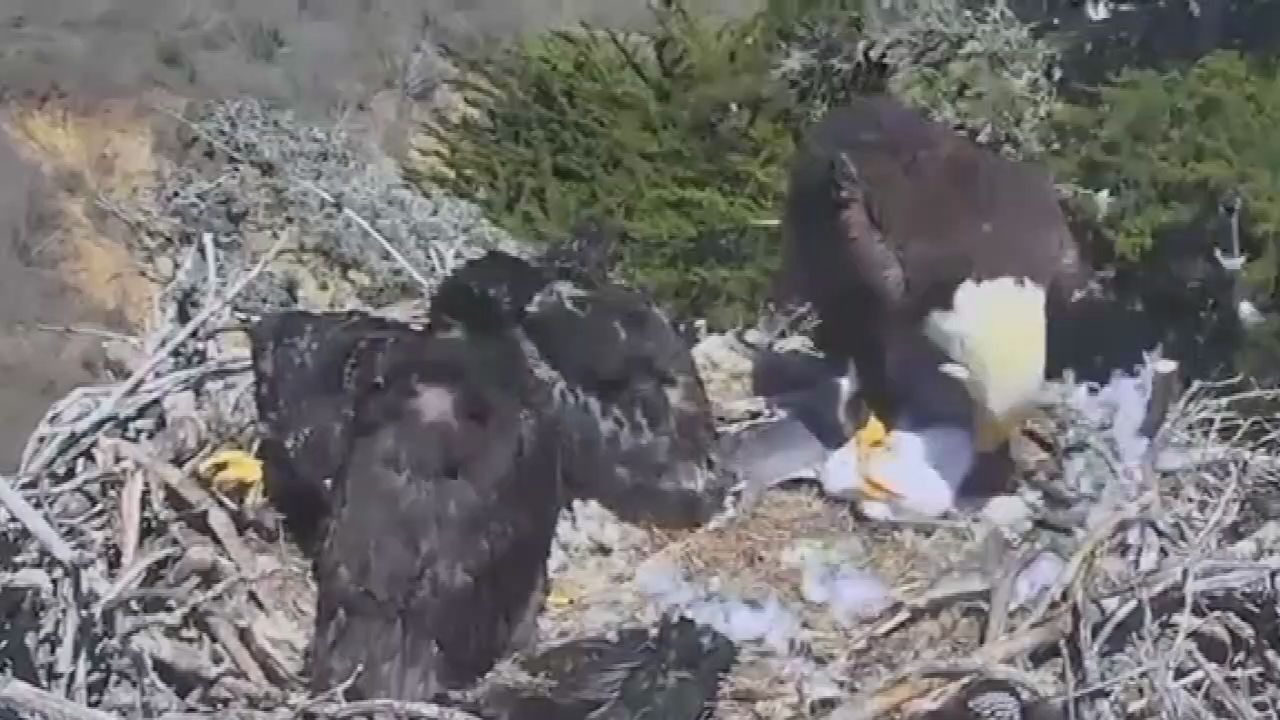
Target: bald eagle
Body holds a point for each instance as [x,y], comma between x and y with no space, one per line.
[640,432]
[930,263]
[644,440]
[424,465]
[672,672]
[432,563]
[301,362]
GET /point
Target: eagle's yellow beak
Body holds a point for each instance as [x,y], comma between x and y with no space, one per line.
[869,441]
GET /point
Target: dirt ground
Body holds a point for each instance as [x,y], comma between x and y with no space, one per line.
[59,275]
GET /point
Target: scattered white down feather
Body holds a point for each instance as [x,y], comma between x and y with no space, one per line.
[584,530]
[769,625]
[768,622]
[853,595]
[1035,578]
[1119,408]
[828,578]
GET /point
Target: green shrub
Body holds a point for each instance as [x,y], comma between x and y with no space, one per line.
[1169,146]
[678,135]
[825,56]
[683,134]
[981,70]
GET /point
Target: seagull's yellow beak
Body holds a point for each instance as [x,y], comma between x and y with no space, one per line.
[869,441]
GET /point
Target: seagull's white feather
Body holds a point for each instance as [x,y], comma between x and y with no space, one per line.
[840,474]
[905,466]
[925,467]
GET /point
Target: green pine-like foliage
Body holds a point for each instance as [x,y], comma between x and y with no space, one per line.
[1169,146]
[680,135]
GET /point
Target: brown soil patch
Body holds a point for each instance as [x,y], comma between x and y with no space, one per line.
[63,269]
[104,153]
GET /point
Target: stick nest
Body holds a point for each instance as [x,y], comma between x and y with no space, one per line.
[132,589]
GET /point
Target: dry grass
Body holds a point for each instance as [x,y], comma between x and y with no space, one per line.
[102,153]
[749,558]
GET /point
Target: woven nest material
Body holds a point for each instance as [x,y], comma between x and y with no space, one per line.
[132,589]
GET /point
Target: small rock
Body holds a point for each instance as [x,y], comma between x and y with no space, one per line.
[1036,577]
[163,266]
[1008,512]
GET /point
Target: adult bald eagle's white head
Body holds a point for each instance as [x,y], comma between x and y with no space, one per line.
[931,263]
[996,337]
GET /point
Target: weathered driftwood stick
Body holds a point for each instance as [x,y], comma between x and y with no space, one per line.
[92,422]
[32,703]
[1164,392]
[1002,568]
[196,498]
[36,524]
[415,710]
[910,682]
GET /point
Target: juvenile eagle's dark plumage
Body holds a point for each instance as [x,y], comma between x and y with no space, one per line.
[640,412]
[305,401]
[423,467]
[641,422]
[420,467]
[672,673]
[639,434]
[433,560]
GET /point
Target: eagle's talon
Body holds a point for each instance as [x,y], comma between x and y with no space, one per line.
[228,470]
[561,596]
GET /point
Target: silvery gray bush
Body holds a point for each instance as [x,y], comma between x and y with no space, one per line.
[258,177]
